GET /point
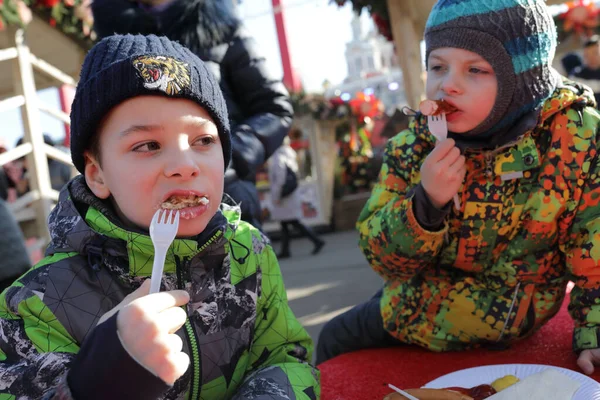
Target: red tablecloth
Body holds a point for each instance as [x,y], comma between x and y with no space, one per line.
[364,375]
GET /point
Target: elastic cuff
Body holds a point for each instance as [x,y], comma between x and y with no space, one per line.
[104,370]
[427,215]
[585,338]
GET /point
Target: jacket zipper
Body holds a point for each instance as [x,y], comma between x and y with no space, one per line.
[192,343]
[510,310]
[489,169]
[210,241]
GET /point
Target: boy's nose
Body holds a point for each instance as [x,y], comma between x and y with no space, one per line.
[182,166]
[451,84]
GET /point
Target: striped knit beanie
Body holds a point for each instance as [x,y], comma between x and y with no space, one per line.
[120,67]
[517,38]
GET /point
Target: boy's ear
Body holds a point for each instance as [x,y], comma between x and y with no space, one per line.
[94,177]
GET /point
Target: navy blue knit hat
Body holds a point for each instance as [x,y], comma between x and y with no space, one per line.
[517,38]
[124,66]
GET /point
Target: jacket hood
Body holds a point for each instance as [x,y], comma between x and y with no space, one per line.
[84,224]
[567,94]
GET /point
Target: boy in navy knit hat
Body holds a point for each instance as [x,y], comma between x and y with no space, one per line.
[150,131]
[521,156]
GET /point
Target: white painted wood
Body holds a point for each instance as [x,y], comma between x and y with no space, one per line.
[405,29]
[8,54]
[48,44]
[56,154]
[24,201]
[11,103]
[64,117]
[37,161]
[52,71]
[16,153]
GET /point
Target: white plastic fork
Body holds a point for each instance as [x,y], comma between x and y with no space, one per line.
[163,230]
[402,392]
[439,128]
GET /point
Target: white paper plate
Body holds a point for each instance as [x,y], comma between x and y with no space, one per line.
[589,390]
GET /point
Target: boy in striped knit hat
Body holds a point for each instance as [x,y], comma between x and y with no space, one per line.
[521,155]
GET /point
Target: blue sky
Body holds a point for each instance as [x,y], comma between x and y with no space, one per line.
[317,33]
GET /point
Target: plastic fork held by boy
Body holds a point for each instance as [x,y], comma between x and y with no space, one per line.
[439,128]
[163,230]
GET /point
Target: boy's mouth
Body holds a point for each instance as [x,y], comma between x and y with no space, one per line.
[180,202]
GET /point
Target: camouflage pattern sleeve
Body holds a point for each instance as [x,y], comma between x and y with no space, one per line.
[35,349]
[394,243]
[281,350]
[582,250]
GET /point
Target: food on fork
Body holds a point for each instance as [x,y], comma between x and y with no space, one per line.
[176,202]
[436,107]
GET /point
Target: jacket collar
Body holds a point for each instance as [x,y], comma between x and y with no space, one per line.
[84,224]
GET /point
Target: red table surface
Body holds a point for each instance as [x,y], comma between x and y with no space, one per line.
[364,375]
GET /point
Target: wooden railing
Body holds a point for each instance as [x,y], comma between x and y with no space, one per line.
[33,208]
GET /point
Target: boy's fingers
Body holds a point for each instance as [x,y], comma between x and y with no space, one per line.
[175,368]
[585,362]
[451,157]
[441,149]
[142,291]
[171,319]
[457,165]
[158,302]
[174,343]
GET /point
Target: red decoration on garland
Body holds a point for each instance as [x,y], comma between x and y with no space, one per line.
[582,17]
[364,105]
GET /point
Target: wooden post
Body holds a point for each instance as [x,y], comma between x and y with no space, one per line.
[407,40]
[37,162]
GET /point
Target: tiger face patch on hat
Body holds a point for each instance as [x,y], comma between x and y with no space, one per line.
[162,73]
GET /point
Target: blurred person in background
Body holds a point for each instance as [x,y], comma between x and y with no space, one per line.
[569,63]
[14,260]
[10,174]
[60,173]
[589,72]
[287,207]
[258,104]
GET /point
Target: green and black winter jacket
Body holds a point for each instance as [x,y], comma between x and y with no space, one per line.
[242,338]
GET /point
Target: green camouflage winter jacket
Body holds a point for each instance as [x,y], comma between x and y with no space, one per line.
[242,338]
[497,271]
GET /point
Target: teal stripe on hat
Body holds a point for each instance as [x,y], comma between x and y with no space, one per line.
[466,8]
[524,45]
[533,58]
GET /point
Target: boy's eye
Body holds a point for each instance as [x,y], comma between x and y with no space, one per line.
[205,141]
[435,68]
[474,70]
[148,146]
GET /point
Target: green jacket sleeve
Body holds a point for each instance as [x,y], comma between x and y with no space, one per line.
[394,243]
[35,349]
[581,247]
[281,350]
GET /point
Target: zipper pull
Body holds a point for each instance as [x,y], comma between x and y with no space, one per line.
[489,167]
